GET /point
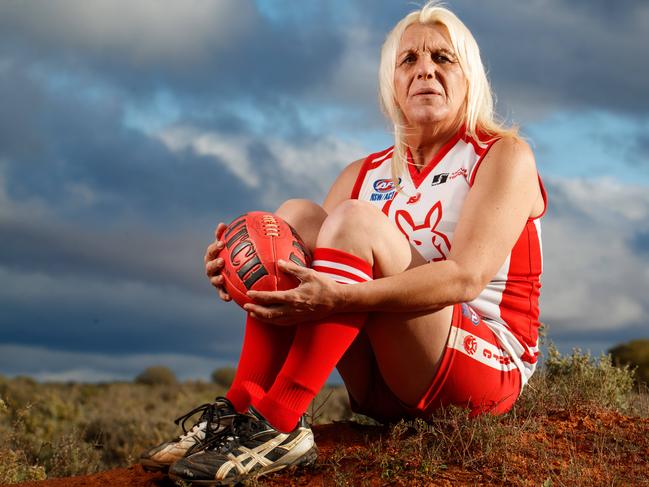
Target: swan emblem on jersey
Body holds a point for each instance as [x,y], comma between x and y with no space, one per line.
[418,234]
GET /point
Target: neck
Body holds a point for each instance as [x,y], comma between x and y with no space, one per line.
[426,141]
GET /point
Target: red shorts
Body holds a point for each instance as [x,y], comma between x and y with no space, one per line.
[474,372]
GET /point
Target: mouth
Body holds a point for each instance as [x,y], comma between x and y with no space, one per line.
[426,92]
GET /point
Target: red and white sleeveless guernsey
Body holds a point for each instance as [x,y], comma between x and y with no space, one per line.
[427,209]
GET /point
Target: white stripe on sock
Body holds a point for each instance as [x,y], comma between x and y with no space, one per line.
[342,267]
[340,279]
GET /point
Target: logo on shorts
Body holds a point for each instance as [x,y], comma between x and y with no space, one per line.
[470,344]
[468,312]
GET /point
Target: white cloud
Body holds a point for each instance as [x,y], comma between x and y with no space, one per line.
[318,162]
[608,201]
[312,167]
[355,78]
[231,150]
[593,278]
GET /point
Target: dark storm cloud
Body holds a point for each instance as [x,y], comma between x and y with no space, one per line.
[640,242]
[103,225]
[93,316]
[564,55]
[64,249]
[253,59]
[541,55]
[116,266]
[638,153]
[70,142]
[550,55]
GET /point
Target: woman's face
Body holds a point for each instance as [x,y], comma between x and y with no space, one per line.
[429,83]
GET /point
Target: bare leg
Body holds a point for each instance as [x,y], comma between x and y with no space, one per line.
[305,217]
[265,347]
[409,368]
[361,229]
[356,366]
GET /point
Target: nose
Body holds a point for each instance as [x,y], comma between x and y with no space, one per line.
[426,69]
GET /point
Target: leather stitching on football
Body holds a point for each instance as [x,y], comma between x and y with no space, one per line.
[254,242]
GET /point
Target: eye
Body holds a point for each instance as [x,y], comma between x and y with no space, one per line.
[409,59]
[441,58]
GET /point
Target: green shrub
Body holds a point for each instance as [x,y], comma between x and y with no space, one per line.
[578,378]
[14,468]
[634,354]
[224,376]
[156,375]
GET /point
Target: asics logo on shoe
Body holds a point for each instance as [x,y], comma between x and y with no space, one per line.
[253,449]
[245,460]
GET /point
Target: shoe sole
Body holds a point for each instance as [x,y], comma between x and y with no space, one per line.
[305,460]
[152,466]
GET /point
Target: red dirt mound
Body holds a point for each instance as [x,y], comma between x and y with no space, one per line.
[562,448]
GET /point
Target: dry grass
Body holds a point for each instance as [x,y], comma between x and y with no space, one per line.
[576,424]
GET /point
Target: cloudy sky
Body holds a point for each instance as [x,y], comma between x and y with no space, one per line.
[129,128]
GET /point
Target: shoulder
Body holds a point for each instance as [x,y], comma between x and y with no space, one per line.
[350,178]
[342,187]
[509,154]
[509,167]
[350,173]
[353,168]
[514,147]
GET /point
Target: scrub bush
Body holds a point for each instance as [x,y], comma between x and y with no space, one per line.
[579,378]
[224,376]
[156,375]
[634,354]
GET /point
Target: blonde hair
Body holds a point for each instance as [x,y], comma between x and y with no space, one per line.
[479,113]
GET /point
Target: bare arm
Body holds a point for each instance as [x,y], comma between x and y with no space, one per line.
[504,195]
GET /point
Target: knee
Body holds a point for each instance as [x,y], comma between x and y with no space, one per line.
[350,219]
[351,214]
[298,206]
[305,217]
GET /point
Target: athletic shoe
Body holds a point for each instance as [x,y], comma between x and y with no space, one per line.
[255,449]
[215,420]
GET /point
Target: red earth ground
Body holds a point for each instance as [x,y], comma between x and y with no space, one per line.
[586,448]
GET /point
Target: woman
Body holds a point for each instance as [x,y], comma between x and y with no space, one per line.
[425,281]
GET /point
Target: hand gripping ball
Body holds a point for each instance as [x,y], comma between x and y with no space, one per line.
[254,242]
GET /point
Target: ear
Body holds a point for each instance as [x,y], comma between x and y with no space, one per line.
[404,221]
[434,216]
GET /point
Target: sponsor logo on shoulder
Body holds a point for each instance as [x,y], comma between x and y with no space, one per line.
[442,177]
[384,189]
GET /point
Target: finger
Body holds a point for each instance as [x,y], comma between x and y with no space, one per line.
[293,269]
[270,297]
[223,295]
[213,250]
[214,267]
[217,281]
[264,312]
[220,228]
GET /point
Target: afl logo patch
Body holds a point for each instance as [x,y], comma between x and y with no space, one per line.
[384,185]
[468,312]
[470,344]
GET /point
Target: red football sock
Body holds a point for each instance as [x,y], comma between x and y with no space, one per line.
[317,347]
[263,353]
